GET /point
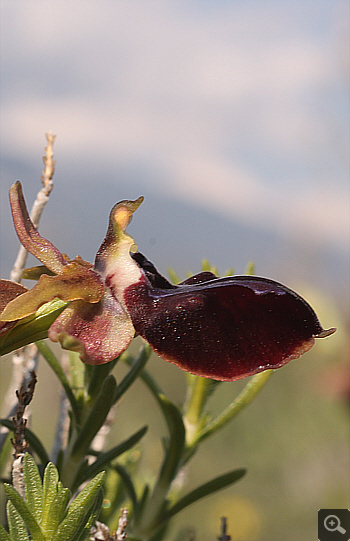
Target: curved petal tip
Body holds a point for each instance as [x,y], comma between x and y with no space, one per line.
[325,333]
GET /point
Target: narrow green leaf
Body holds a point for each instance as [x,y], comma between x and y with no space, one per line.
[5,453]
[128,484]
[69,526]
[97,416]
[155,504]
[51,359]
[25,512]
[49,492]
[55,500]
[4,536]
[80,510]
[208,488]
[173,419]
[176,428]
[135,368]
[32,439]
[77,376]
[33,486]
[97,374]
[57,511]
[87,496]
[17,527]
[151,383]
[93,516]
[143,499]
[104,459]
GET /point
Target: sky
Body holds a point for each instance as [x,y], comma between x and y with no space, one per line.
[224,114]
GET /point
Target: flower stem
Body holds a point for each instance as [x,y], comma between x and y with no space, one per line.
[245,397]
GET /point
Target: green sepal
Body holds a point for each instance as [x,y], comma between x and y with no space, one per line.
[204,490]
[23,509]
[17,527]
[31,328]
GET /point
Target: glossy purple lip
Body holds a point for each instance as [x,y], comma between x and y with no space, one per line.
[222,328]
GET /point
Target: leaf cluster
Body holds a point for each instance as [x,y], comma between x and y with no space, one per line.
[46,511]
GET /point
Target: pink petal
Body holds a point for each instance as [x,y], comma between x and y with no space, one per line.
[99,332]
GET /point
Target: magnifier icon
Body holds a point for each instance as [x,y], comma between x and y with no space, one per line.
[332,524]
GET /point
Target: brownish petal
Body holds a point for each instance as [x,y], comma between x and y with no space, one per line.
[37,245]
[98,332]
[8,291]
[74,282]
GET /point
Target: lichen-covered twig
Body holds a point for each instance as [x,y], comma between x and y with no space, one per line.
[39,204]
[24,361]
[19,442]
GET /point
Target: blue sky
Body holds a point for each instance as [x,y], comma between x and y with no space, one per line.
[234,109]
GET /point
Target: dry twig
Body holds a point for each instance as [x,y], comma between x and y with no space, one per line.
[25,360]
[19,442]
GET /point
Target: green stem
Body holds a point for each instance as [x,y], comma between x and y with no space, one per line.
[197,400]
[193,420]
[245,397]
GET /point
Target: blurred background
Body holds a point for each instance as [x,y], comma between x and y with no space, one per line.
[232,119]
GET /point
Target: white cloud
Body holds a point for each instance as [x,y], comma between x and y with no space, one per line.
[223,100]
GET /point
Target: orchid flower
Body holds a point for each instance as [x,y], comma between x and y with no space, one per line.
[220,328]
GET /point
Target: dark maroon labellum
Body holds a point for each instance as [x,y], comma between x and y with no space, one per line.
[222,328]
